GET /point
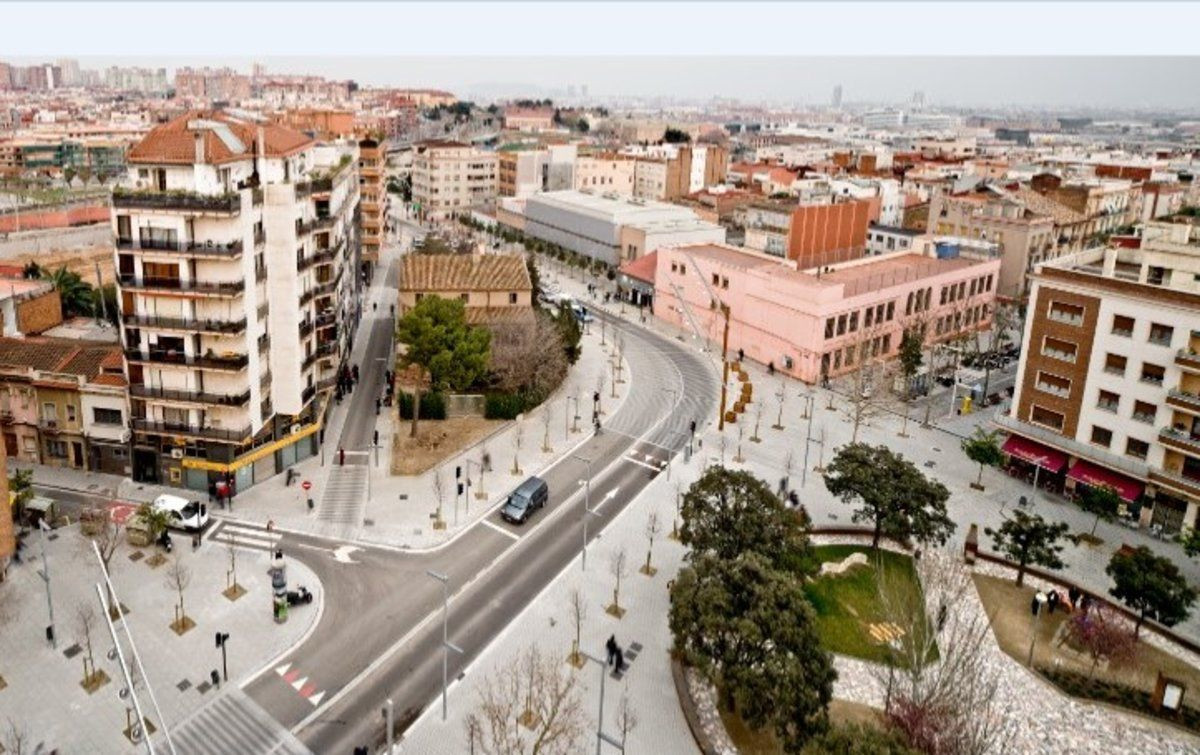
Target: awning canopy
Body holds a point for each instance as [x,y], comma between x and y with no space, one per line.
[1035,453]
[1090,474]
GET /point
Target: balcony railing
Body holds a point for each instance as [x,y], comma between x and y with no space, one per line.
[177,200]
[185,324]
[1065,318]
[229,249]
[1187,358]
[320,352]
[190,397]
[174,428]
[316,258]
[1182,399]
[228,362]
[1063,356]
[307,394]
[1177,480]
[1073,447]
[1053,390]
[224,288]
[260,237]
[50,426]
[1180,439]
[306,327]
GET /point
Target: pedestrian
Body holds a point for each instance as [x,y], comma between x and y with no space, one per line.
[620,659]
[611,647]
[487,461]
[341,457]
[741,355]
[1035,604]
[1052,600]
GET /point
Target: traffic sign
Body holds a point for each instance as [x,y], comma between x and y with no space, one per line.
[306,485]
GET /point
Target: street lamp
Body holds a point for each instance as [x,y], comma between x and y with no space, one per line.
[45,575]
[446,646]
[601,737]
[222,641]
[587,508]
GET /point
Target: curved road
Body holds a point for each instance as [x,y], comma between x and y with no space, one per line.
[380,634]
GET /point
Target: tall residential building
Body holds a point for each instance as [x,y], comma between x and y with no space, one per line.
[1108,391]
[237,260]
[372,182]
[451,178]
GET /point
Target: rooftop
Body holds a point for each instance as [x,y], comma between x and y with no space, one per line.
[88,360]
[464,272]
[226,138]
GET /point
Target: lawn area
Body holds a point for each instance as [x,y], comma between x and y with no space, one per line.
[850,619]
[1008,608]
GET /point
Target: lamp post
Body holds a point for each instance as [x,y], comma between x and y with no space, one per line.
[587,508]
[45,575]
[807,439]
[601,737]
[446,646]
[222,641]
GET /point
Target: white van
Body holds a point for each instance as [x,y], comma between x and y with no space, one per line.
[183,514]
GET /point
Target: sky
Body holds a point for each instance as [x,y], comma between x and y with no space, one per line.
[1135,83]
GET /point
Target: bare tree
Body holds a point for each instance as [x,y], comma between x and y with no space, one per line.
[758,410]
[627,719]
[547,418]
[868,352]
[231,583]
[600,383]
[675,518]
[178,577]
[723,443]
[942,690]
[535,685]
[528,357]
[518,436]
[15,738]
[85,624]
[106,534]
[619,567]
[738,458]
[782,396]
[653,528]
[578,614]
[438,483]
[485,465]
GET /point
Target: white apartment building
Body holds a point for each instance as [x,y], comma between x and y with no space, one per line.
[451,178]
[237,256]
[610,174]
[1109,386]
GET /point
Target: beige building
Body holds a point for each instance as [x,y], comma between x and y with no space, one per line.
[493,287]
[450,178]
[372,186]
[606,173]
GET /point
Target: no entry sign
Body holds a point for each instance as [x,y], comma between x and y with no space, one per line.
[306,485]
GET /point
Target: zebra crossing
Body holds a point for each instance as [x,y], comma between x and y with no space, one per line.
[233,723]
[344,499]
[248,535]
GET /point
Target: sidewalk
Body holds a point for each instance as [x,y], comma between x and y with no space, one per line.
[43,689]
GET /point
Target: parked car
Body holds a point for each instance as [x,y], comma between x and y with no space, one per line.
[183,513]
[529,496]
[582,314]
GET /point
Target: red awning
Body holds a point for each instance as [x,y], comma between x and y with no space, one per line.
[1097,476]
[1034,453]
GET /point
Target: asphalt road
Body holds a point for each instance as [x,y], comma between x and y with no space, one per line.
[380,635]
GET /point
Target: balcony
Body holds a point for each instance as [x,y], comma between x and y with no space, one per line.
[190,397]
[322,351]
[218,288]
[1181,399]
[306,328]
[228,249]
[186,201]
[322,289]
[1188,359]
[1053,390]
[1124,464]
[186,325]
[50,426]
[326,319]
[307,394]
[6,417]
[1065,318]
[1180,440]
[260,237]
[173,428]
[1062,356]
[226,362]
[317,258]
[1177,480]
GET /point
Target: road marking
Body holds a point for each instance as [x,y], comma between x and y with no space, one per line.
[317,698]
[283,669]
[607,497]
[500,529]
[341,554]
[640,463]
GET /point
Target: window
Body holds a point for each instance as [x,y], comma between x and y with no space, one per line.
[1055,348]
[1046,418]
[512,298]
[1108,401]
[1152,373]
[1114,364]
[1161,334]
[841,327]
[107,416]
[1144,411]
[891,310]
[853,321]
[868,317]
[829,324]
[1122,326]
[1053,384]
[724,282]
[56,449]
[1136,448]
[70,412]
[1101,436]
[49,412]
[716,279]
[420,296]
[465,297]
[1069,314]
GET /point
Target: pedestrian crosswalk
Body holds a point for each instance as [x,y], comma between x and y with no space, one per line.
[344,499]
[244,535]
[233,723]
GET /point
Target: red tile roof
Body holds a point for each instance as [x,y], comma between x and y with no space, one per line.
[464,272]
[642,268]
[62,356]
[175,142]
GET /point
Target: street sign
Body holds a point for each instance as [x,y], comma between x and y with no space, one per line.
[306,485]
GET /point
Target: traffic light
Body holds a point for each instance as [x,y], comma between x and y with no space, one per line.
[460,489]
[693,427]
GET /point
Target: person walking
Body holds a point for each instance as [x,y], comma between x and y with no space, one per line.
[611,647]
[341,457]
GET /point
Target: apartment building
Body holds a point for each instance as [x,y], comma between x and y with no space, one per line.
[64,403]
[372,186]
[8,540]
[609,173]
[1108,391]
[529,119]
[520,171]
[821,323]
[237,258]
[451,178]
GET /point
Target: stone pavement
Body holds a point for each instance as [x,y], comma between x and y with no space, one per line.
[547,623]
[43,689]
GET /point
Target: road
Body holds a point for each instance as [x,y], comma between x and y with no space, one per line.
[380,635]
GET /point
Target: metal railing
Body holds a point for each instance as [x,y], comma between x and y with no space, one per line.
[199,248]
[191,397]
[177,200]
[173,428]
[187,324]
[176,284]
[233,362]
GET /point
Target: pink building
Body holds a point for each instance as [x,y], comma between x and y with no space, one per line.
[810,323]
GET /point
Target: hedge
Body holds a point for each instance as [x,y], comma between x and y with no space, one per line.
[1079,685]
[509,405]
[433,406]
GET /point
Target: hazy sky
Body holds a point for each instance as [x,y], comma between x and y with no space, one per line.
[1141,82]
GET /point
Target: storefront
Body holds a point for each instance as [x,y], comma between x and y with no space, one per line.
[1039,465]
[1086,474]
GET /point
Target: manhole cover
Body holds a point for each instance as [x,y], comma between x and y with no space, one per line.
[368,522]
[183,686]
[404,496]
[73,651]
[136,556]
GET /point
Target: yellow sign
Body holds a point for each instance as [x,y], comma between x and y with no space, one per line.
[258,453]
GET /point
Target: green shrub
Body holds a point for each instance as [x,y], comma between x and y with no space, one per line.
[1080,685]
[509,405]
[433,406]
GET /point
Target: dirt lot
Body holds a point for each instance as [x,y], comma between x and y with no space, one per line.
[437,440]
[82,261]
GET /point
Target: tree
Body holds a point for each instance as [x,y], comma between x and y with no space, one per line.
[911,359]
[727,512]
[106,537]
[1100,500]
[749,629]
[439,339]
[857,739]
[569,331]
[652,530]
[860,399]
[1151,586]
[556,722]
[676,136]
[439,494]
[20,489]
[85,624]
[528,357]
[618,565]
[178,577]
[74,292]
[578,608]
[896,498]
[1029,539]
[155,519]
[984,449]
[1103,635]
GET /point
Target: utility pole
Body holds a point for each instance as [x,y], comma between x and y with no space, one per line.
[45,575]
[100,293]
[601,737]
[390,718]
[222,641]
[446,646]
[587,509]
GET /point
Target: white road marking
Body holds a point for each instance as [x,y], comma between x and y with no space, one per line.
[641,463]
[500,529]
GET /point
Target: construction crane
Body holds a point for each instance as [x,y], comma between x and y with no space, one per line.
[716,303]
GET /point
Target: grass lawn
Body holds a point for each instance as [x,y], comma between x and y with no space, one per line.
[847,605]
[1008,608]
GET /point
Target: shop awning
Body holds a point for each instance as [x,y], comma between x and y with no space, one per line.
[1035,453]
[1090,474]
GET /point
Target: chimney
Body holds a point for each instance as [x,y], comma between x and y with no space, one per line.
[199,135]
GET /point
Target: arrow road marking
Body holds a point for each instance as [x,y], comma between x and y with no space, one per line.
[341,554]
[607,497]
[641,463]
